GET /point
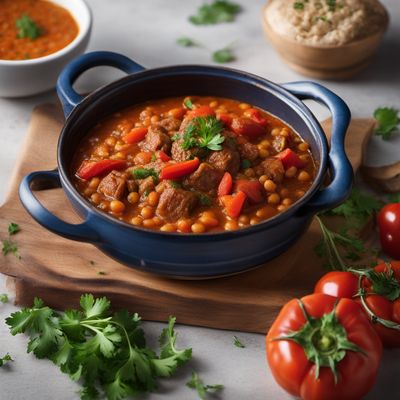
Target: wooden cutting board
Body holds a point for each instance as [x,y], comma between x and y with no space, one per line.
[59,270]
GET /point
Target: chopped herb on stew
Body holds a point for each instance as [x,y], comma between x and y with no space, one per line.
[331,5]
[143,173]
[188,104]
[27,28]
[224,55]
[298,5]
[153,157]
[246,164]
[204,199]
[175,185]
[215,13]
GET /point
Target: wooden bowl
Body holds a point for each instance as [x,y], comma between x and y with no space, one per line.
[325,62]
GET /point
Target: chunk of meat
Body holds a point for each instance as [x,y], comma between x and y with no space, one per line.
[205,178]
[146,185]
[131,185]
[272,168]
[157,139]
[170,124]
[175,204]
[180,154]
[280,143]
[113,185]
[225,160]
[248,151]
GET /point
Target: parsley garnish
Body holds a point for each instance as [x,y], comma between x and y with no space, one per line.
[188,104]
[238,343]
[224,55]
[388,121]
[103,350]
[202,132]
[13,228]
[204,200]
[143,173]
[175,185]
[245,164]
[331,5]
[298,5]
[27,28]
[217,12]
[185,41]
[153,157]
[202,389]
[4,298]
[5,359]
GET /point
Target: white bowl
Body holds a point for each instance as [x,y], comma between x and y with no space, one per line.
[20,78]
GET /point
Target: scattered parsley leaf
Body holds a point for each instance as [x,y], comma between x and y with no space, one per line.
[298,5]
[331,5]
[388,121]
[5,359]
[202,390]
[13,228]
[204,199]
[4,298]
[153,157]
[27,28]
[187,42]
[215,13]
[10,247]
[238,343]
[143,173]
[188,104]
[105,351]
[224,55]
[246,164]
[175,185]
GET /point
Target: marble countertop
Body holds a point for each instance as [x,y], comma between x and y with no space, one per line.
[146,31]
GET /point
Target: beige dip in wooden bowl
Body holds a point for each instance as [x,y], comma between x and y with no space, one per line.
[325,38]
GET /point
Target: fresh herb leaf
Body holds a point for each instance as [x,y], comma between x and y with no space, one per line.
[13,228]
[393,198]
[105,351]
[188,103]
[238,343]
[246,164]
[10,247]
[224,55]
[153,157]
[331,5]
[204,199]
[143,173]
[388,121]
[175,185]
[298,5]
[3,298]
[27,28]
[5,359]
[215,13]
[187,42]
[202,389]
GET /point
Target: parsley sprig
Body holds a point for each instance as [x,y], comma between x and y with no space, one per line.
[215,13]
[202,389]
[388,121]
[105,351]
[27,28]
[143,173]
[202,132]
[5,359]
[9,246]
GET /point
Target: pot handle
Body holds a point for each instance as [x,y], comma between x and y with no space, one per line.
[68,96]
[339,165]
[51,179]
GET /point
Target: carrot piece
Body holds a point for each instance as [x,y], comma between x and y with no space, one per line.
[174,171]
[135,135]
[234,204]
[225,186]
[290,159]
[253,190]
[90,169]
[163,156]
[255,115]
[202,111]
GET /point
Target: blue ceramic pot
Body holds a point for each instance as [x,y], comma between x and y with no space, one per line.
[191,255]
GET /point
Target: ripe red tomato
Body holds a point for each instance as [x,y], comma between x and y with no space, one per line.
[382,296]
[332,333]
[389,229]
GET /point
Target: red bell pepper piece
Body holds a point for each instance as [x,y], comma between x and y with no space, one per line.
[174,171]
[163,156]
[290,159]
[202,111]
[255,115]
[225,119]
[90,169]
[234,204]
[225,186]
[247,127]
[135,135]
[253,190]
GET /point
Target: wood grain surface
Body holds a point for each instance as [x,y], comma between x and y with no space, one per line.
[59,270]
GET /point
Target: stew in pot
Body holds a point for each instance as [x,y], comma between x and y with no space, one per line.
[194,164]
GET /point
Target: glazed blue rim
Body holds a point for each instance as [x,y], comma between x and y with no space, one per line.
[180,70]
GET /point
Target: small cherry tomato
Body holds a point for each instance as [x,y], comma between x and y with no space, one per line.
[389,229]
